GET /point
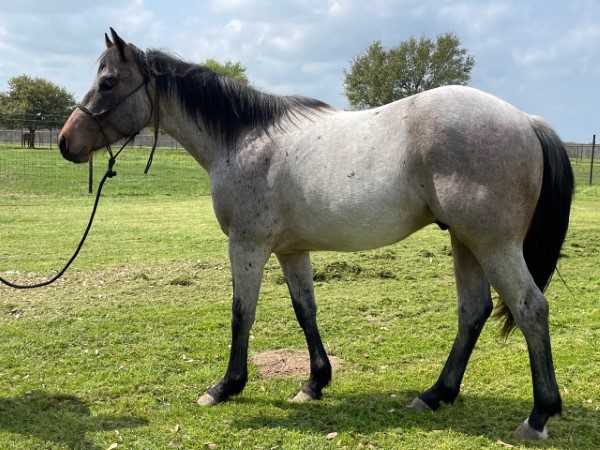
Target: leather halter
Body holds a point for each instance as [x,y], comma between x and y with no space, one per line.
[96,116]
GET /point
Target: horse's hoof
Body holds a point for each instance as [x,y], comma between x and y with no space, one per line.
[301,397]
[207,400]
[419,405]
[524,431]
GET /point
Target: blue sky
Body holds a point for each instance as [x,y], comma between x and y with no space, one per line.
[543,56]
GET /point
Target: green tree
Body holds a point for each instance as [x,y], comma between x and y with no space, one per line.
[2,109]
[229,68]
[34,103]
[379,76]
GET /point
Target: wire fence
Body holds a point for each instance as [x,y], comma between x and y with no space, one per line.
[584,157]
[48,139]
[584,160]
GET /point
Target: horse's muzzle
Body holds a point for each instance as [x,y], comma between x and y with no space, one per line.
[63,145]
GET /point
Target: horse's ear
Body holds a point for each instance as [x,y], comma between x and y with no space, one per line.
[109,43]
[120,43]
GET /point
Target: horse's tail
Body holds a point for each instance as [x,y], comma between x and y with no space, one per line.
[548,227]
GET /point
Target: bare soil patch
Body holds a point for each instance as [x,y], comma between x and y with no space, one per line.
[284,362]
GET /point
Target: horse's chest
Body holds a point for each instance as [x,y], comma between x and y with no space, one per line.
[243,202]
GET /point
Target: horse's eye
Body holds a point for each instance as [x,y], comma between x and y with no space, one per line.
[107,83]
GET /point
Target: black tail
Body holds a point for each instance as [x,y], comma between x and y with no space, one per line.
[548,227]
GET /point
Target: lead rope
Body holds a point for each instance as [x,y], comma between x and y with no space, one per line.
[156,112]
[110,173]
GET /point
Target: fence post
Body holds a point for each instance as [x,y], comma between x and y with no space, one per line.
[592,160]
[90,175]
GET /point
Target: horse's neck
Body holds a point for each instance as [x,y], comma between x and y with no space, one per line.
[190,134]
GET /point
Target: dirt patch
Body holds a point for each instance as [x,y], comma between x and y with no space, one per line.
[279,363]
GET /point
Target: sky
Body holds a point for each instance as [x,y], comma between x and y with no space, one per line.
[543,56]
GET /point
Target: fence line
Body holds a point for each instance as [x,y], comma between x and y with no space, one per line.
[579,152]
[581,155]
[48,139]
[583,160]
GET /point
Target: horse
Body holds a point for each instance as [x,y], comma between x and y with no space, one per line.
[29,139]
[290,175]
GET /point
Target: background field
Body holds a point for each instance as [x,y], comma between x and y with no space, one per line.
[117,351]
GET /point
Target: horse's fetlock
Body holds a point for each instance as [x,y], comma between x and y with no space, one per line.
[431,402]
[440,392]
[236,383]
[314,392]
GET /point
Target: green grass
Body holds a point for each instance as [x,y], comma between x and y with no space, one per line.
[581,171]
[118,350]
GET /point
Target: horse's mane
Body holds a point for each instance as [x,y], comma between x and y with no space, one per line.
[226,106]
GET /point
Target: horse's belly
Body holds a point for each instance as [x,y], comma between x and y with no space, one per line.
[337,239]
[352,227]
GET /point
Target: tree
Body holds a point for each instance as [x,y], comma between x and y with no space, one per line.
[34,103]
[2,109]
[379,76]
[229,68]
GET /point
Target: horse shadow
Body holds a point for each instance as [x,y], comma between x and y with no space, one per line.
[58,418]
[491,417]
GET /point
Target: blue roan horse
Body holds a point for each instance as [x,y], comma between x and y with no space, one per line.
[290,174]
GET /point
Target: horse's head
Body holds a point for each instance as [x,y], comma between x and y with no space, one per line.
[117,105]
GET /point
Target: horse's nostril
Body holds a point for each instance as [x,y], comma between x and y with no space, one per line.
[62,145]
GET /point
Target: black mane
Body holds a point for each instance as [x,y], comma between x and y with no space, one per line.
[226,106]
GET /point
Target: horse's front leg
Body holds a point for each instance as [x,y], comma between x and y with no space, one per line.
[247,265]
[298,275]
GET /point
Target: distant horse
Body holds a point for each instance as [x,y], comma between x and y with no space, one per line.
[291,174]
[29,139]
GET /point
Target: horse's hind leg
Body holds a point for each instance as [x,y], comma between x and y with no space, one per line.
[298,275]
[508,274]
[474,307]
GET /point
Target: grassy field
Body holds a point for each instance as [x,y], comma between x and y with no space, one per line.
[115,354]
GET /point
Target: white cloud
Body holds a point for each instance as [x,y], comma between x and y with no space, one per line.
[235,6]
[575,52]
[530,53]
[478,17]
[335,9]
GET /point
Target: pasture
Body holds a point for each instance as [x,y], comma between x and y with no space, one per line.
[115,354]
